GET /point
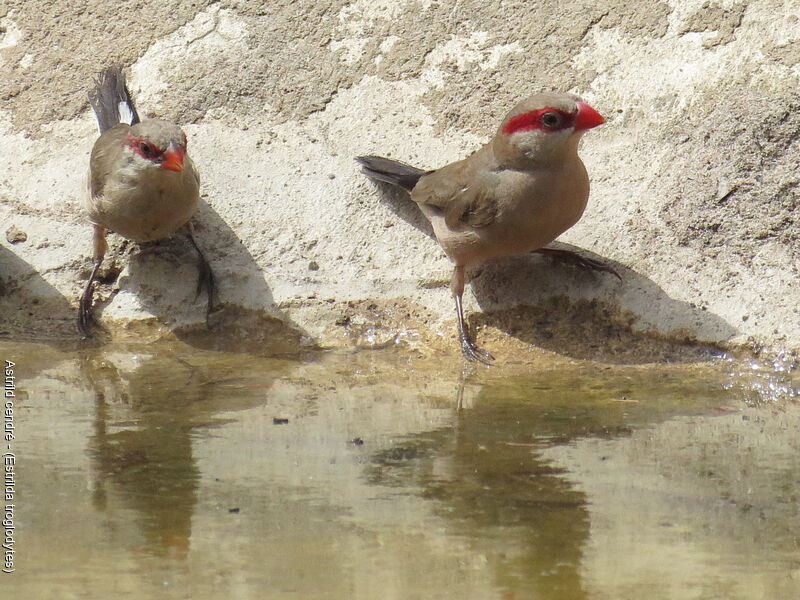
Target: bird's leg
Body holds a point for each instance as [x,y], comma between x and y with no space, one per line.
[577,260]
[206,275]
[85,304]
[462,383]
[469,348]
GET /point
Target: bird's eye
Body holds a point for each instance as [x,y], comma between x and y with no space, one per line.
[146,149]
[551,120]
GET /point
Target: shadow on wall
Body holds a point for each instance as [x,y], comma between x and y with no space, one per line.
[400,203]
[576,312]
[30,307]
[163,277]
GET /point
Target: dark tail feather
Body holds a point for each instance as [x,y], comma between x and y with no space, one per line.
[111,100]
[390,171]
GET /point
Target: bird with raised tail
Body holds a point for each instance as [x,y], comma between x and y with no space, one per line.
[514,195]
[141,185]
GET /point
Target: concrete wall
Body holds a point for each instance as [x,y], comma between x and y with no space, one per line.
[695,175]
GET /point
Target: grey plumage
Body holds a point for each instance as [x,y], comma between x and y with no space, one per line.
[110,94]
[390,171]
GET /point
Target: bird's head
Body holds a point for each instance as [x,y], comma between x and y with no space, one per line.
[543,127]
[157,144]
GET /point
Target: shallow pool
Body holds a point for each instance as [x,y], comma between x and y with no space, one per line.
[164,471]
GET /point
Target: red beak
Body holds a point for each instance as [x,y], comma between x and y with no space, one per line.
[587,117]
[174,155]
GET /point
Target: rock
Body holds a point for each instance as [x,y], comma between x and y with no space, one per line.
[15,236]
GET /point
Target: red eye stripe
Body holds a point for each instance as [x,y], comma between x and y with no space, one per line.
[533,120]
[144,148]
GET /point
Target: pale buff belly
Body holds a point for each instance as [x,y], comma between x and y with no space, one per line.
[517,230]
[145,213]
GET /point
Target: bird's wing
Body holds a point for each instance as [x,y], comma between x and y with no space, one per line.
[473,207]
[455,191]
[106,154]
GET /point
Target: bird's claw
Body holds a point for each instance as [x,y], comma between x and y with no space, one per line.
[595,265]
[472,351]
[579,261]
[205,279]
[85,318]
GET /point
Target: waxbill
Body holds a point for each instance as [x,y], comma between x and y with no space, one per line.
[141,185]
[514,195]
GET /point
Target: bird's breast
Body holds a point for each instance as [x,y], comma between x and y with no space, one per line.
[146,204]
[533,209]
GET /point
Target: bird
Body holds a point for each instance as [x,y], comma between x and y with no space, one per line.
[141,184]
[514,195]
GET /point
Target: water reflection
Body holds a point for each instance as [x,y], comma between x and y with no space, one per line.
[491,480]
[532,522]
[572,481]
[147,408]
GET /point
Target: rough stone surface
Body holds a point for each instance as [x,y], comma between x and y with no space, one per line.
[695,184]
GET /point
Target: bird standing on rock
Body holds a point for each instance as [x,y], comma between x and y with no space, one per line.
[517,193]
[142,184]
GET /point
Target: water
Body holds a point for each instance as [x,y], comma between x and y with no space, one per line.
[163,471]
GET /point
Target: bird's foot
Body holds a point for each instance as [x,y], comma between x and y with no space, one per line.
[206,279]
[590,264]
[578,260]
[471,351]
[85,318]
